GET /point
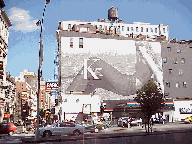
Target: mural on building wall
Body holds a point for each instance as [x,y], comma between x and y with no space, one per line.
[112,74]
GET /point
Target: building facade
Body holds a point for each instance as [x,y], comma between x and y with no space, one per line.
[4,34]
[177,69]
[110,67]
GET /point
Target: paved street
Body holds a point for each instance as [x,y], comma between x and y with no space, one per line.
[109,134]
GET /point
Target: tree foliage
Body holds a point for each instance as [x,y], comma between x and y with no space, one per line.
[150,99]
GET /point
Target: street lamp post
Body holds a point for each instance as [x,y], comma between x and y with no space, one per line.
[39,68]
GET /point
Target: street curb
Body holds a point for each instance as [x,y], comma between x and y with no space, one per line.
[100,136]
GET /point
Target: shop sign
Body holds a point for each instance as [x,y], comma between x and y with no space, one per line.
[6,115]
[86,108]
[185,110]
[51,85]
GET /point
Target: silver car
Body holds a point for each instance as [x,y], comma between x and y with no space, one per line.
[62,128]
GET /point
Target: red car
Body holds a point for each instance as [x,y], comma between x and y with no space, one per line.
[7,128]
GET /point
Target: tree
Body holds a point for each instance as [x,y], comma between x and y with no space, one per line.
[150,99]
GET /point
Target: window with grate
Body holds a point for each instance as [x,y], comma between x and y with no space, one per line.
[175,60]
[177,85]
[122,28]
[80,42]
[71,42]
[164,60]
[168,84]
[141,29]
[169,49]
[184,84]
[170,71]
[178,50]
[151,29]
[155,30]
[137,29]
[132,29]
[146,29]
[180,72]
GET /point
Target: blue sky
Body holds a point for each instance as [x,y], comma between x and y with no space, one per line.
[24,34]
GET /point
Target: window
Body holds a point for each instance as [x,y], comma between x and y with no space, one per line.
[62,125]
[122,28]
[146,29]
[127,28]
[182,60]
[169,49]
[137,29]
[69,26]
[178,50]
[77,100]
[184,84]
[80,42]
[175,60]
[101,26]
[132,29]
[141,29]
[105,27]
[71,42]
[164,30]
[180,72]
[151,29]
[170,71]
[168,84]
[177,85]
[155,30]
[164,60]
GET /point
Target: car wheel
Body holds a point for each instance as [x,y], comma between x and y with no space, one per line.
[47,134]
[11,133]
[76,132]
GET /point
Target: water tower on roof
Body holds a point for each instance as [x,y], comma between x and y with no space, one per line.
[112,14]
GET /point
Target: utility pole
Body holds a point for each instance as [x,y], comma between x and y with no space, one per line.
[39,68]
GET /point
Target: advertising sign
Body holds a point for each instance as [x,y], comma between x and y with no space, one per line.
[86,108]
[185,111]
[6,115]
[51,85]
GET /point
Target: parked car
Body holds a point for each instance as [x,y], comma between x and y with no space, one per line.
[7,128]
[136,121]
[62,128]
[159,120]
[188,119]
[123,121]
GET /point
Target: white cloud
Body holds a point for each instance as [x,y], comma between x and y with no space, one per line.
[21,20]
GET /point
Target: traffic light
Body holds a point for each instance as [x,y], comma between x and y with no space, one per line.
[1,70]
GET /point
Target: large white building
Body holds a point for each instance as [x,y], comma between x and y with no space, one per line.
[123,29]
[95,67]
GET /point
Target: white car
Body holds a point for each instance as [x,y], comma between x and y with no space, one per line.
[62,128]
[136,121]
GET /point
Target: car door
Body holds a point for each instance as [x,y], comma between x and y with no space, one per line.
[55,129]
[63,129]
